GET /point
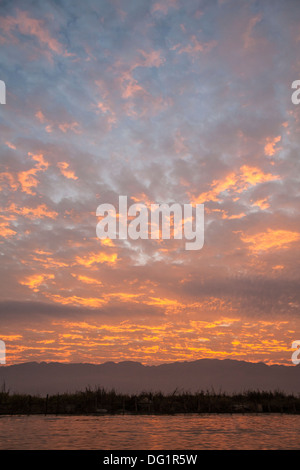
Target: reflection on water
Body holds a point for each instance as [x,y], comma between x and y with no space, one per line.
[195,432]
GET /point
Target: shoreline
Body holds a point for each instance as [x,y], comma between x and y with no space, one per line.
[101,402]
[234,413]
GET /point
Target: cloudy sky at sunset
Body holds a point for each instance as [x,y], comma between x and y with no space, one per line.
[162,101]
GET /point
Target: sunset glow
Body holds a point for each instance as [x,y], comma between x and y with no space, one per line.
[164,102]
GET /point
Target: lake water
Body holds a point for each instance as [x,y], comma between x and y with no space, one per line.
[178,432]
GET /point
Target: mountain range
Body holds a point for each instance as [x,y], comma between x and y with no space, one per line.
[230,376]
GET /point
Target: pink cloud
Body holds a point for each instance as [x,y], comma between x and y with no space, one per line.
[164,6]
[249,40]
[40,116]
[10,145]
[69,126]
[62,126]
[194,47]
[151,59]
[31,27]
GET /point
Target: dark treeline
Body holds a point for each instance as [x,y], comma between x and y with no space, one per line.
[100,401]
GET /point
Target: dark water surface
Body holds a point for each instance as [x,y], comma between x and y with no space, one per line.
[208,431]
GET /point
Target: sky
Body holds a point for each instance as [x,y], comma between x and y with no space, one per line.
[162,101]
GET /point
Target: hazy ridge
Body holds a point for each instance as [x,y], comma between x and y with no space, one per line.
[132,377]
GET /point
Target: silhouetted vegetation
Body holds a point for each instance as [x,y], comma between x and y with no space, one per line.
[100,401]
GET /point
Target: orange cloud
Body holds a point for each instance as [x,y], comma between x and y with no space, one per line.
[164,302]
[143,199]
[107,242]
[278,267]
[271,239]
[63,166]
[33,212]
[8,179]
[105,104]
[5,224]
[49,262]
[11,337]
[218,186]
[87,280]
[94,258]
[63,126]
[35,281]
[233,216]
[123,296]
[224,337]
[10,145]
[27,179]
[5,230]
[262,203]
[76,300]
[269,147]
[236,182]
[252,176]
[13,211]
[130,87]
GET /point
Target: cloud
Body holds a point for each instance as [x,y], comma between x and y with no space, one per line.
[95,258]
[235,182]
[26,179]
[194,47]
[65,171]
[36,280]
[161,102]
[29,26]
[272,239]
[164,7]
[11,146]
[269,147]
[37,212]
[249,37]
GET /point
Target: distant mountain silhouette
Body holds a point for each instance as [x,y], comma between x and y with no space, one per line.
[132,377]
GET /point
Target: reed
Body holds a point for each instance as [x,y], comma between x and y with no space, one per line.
[101,401]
